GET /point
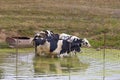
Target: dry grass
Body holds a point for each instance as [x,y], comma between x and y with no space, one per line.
[86,18]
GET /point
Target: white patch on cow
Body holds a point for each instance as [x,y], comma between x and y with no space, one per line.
[64,55]
[68,37]
[64,36]
[49,33]
[37,34]
[59,47]
[73,38]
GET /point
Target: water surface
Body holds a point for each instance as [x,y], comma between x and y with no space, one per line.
[25,66]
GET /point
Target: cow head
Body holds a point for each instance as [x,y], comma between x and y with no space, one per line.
[39,41]
[38,35]
[85,42]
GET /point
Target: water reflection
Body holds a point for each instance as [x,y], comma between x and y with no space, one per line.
[58,66]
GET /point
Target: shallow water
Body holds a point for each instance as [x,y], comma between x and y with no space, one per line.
[25,66]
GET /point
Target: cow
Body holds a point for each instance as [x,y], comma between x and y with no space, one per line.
[74,39]
[71,38]
[49,34]
[53,46]
[73,43]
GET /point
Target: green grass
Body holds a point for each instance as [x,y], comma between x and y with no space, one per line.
[14,50]
[83,18]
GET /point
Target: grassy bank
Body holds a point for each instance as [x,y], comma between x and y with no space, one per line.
[83,18]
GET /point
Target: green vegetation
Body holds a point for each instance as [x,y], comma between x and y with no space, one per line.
[83,18]
[4,45]
[14,50]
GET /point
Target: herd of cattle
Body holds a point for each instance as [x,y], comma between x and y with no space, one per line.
[48,43]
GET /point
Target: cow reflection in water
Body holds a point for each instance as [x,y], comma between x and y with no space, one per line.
[48,66]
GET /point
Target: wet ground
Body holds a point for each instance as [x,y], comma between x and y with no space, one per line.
[25,66]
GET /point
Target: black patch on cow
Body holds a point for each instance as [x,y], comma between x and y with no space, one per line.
[75,45]
[53,37]
[65,47]
[56,36]
[53,44]
[39,41]
[76,49]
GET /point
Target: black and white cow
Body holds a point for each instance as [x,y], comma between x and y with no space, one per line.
[71,38]
[50,35]
[69,43]
[74,40]
[53,46]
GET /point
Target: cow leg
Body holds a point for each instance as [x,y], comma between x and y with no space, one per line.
[35,50]
[38,51]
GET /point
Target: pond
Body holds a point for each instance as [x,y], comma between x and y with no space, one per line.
[25,66]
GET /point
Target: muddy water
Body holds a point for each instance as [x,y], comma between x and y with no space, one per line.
[25,66]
